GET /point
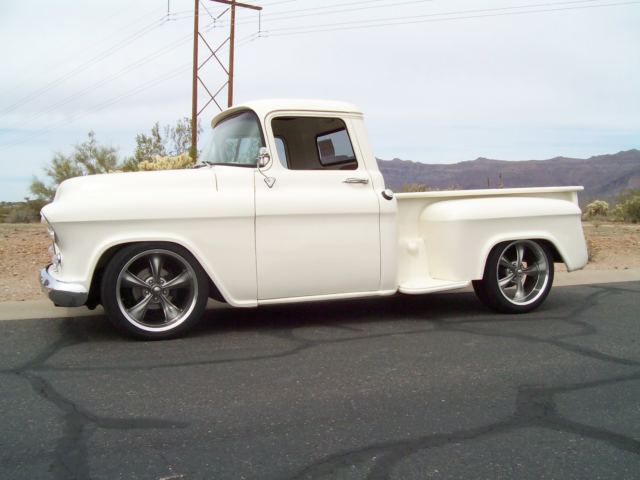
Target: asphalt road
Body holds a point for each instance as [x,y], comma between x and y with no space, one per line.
[403,387]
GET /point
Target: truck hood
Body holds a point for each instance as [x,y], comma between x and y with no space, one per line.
[133,183]
[132,195]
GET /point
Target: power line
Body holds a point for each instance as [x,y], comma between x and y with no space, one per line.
[333,10]
[100,106]
[315,14]
[333,6]
[204,5]
[101,56]
[449,16]
[268,4]
[169,47]
[413,16]
[104,104]
[108,52]
[174,16]
[354,25]
[106,37]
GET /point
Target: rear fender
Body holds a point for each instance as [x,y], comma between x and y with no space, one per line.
[460,233]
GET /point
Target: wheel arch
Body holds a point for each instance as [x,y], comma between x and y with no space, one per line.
[107,254]
[556,255]
[546,240]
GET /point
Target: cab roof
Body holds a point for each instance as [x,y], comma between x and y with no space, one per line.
[264,107]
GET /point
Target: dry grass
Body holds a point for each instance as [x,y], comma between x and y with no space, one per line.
[23,251]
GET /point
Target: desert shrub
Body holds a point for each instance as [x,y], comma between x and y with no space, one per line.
[631,209]
[628,206]
[165,148]
[598,208]
[87,158]
[617,214]
[21,212]
[156,151]
[183,160]
[5,208]
[22,215]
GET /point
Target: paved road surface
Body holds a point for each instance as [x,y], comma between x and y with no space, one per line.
[406,387]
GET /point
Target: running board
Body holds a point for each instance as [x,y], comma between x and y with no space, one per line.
[432,285]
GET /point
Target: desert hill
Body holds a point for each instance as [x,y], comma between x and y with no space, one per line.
[603,176]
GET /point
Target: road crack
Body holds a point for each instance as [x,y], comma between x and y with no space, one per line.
[71,452]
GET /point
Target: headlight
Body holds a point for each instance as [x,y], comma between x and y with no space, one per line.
[56,258]
[54,251]
[50,231]
[52,234]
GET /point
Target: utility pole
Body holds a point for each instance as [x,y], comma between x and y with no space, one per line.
[194,85]
[232,38]
[229,69]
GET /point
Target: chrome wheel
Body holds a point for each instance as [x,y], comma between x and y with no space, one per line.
[156,290]
[523,272]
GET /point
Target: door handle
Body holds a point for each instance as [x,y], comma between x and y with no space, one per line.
[364,181]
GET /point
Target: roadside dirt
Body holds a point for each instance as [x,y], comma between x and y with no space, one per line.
[24,250]
[612,246]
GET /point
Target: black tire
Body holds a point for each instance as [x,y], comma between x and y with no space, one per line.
[154,291]
[517,277]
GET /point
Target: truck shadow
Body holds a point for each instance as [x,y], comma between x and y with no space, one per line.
[285,331]
[354,314]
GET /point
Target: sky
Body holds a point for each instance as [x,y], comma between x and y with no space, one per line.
[439,81]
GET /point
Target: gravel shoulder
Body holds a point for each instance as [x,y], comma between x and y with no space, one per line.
[24,250]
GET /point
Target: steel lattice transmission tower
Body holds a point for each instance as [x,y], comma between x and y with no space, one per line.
[213,53]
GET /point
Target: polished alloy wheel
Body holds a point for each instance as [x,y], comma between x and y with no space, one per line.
[523,272]
[156,290]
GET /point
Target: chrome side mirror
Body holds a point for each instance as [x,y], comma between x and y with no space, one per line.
[263,157]
[263,161]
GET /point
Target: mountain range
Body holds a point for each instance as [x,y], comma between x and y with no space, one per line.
[603,176]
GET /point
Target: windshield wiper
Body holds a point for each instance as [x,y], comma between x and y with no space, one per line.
[203,163]
[232,164]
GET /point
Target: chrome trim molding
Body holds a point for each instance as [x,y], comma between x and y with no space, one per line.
[60,293]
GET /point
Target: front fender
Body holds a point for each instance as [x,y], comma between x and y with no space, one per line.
[228,259]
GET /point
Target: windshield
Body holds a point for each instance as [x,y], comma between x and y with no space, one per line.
[235,141]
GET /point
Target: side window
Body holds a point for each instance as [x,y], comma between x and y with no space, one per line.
[335,147]
[281,149]
[313,143]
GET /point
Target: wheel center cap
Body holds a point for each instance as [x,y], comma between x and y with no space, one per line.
[156,289]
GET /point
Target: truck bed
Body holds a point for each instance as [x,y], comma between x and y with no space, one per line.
[444,237]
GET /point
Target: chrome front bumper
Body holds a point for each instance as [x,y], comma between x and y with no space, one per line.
[60,293]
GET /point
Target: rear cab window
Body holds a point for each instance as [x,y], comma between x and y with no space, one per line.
[335,148]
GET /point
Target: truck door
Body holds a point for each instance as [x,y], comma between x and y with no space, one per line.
[317,226]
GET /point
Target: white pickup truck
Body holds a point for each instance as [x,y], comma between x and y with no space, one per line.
[288,205]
